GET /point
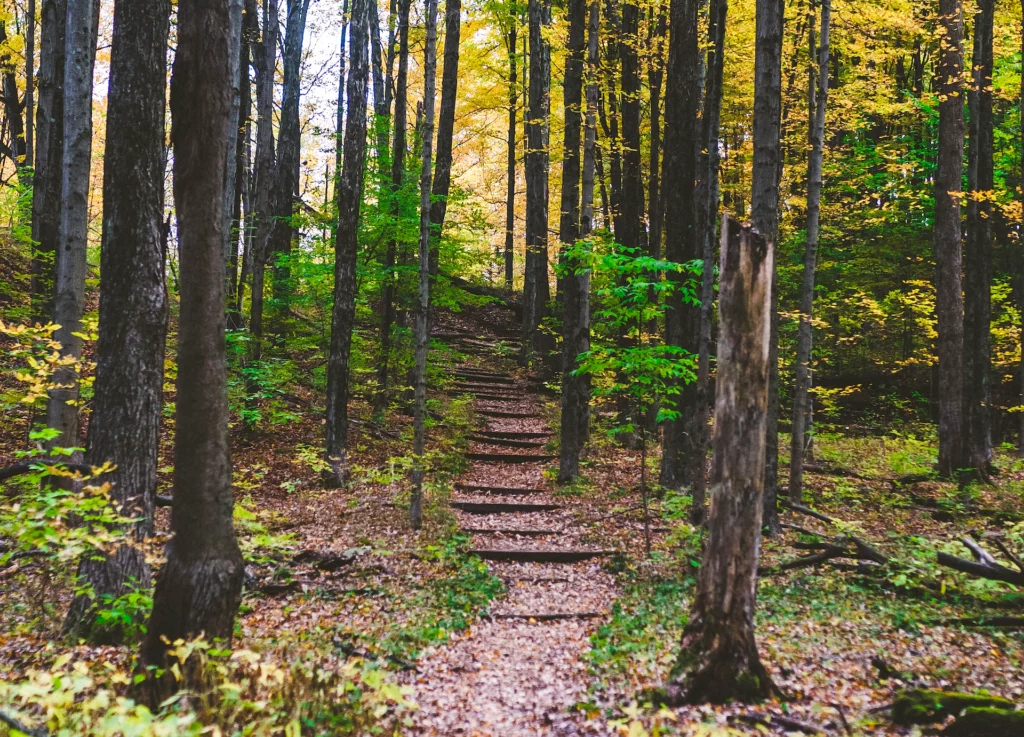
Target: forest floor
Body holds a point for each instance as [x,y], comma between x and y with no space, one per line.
[477,646]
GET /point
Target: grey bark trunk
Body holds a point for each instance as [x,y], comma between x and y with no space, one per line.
[231,194]
[73,225]
[655,78]
[199,587]
[422,330]
[240,199]
[125,423]
[49,163]
[442,178]
[719,661]
[30,84]
[805,335]
[764,207]
[510,187]
[346,246]
[575,278]
[1020,427]
[978,253]
[948,287]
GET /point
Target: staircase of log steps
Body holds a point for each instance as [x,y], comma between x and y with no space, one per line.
[529,538]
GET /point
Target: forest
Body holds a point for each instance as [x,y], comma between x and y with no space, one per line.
[511,367]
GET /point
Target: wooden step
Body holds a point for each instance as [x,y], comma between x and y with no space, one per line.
[512,434]
[551,616]
[522,533]
[540,556]
[509,458]
[499,490]
[481,378]
[486,395]
[511,415]
[492,388]
[508,442]
[502,508]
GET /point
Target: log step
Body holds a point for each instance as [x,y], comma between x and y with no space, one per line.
[493,388]
[551,616]
[523,533]
[500,490]
[509,458]
[512,434]
[540,556]
[500,508]
[508,442]
[511,415]
[474,377]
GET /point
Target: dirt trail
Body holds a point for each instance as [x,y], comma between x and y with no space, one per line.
[520,671]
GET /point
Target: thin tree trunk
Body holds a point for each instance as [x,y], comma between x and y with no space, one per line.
[199,587]
[707,221]
[346,248]
[949,295]
[978,253]
[125,424]
[655,77]
[422,331]
[12,106]
[681,245]
[575,277]
[397,178]
[442,178]
[49,163]
[389,75]
[231,193]
[240,197]
[73,226]
[764,207]
[718,661]
[805,336]
[251,33]
[30,92]
[1020,427]
[266,64]
[510,190]
[535,281]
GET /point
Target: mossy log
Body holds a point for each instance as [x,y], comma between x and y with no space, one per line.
[988,721]
[928,706]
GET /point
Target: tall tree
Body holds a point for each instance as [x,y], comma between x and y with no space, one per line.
[49,163]
[422,330]
[575,390]
[805,336]
[949,304]
[265,63]
[73,225]
[978,251]
[125,422]
[285,188]
[681,246]
[535,280]
[346,247]
[232,201]
[397,178]
[442,178]
[199,587]
[1020,428]
[764,209]
[240,201]
[655,77]
[718,661]
[30,84]
[510,163]
[707,218]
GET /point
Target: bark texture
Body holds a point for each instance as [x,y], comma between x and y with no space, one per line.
[422,329]
[719,661]
[346,245]
[199,588]
[764,207]
[73,224]
[575,279]
[125,423]
[510,185]
[949,304]
[805,334]
[442,178]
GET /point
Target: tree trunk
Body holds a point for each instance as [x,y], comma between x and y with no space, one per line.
[231,193]
[655,77]
[764,207]
[12,107]
[718,661]
[73,226]
[125,423]
[346,247]
[285,187]
[397,178]
[805,336]
[199,587]
[978,252]
[707,220]
[422,331]
[49,164]
[30,71]
[681,246]
[265,58]
[535,281]
[442,178]
[1020,427]
[575,277]
[948,288]
[240,199]
[510,190]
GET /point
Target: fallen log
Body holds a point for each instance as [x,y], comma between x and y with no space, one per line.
[26,466]
[865,551]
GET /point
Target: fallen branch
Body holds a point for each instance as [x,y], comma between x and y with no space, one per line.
[865,551]
[986,566]
[980,621]
[786,722]
[26,466]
